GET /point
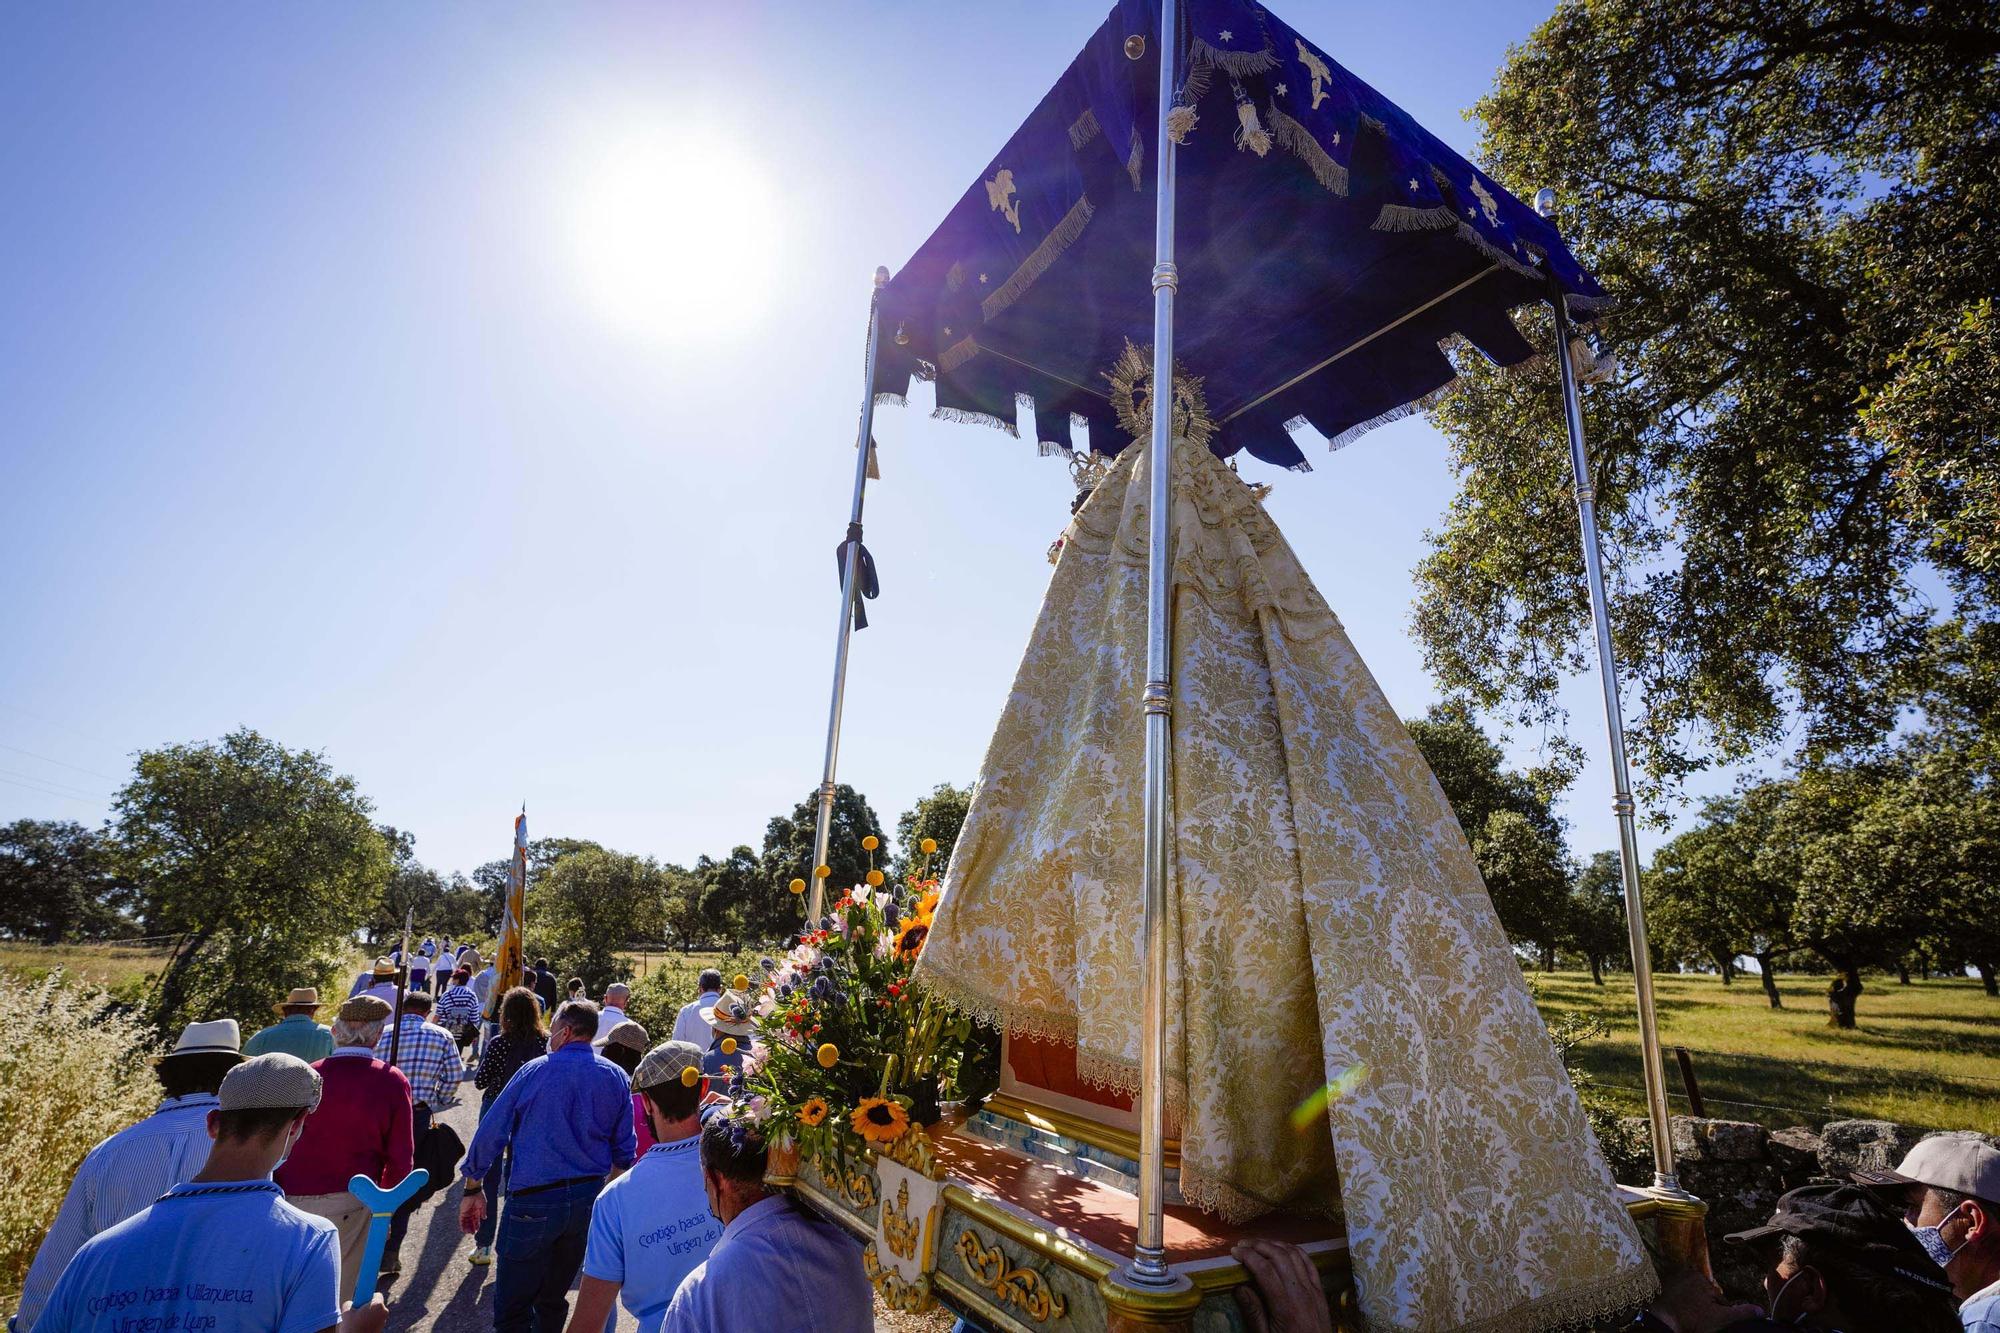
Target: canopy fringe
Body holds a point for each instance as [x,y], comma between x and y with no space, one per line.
[956,355]
[1298,140]
[1083,129]
[1037,263]
[1238,63]
[968,417]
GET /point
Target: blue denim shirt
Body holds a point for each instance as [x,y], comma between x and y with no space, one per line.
[567,1114]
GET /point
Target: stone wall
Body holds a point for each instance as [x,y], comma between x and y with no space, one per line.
[1739,1169]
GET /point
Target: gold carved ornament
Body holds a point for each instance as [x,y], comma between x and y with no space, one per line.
[902,1231]
[908,1297]
[1022,1288]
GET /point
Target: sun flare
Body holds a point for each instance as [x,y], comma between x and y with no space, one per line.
[676,234]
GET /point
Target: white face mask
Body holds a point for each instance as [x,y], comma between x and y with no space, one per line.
[291,1142]
[1932,1239]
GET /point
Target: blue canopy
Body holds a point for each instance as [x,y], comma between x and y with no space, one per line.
[1327,245]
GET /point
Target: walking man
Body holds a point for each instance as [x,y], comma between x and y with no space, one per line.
[568,1118]
[429,1058]
[362,1128]
[689,1025]
[651,1226]
[229,1231]
[138,1164]
[544,985]
[458,1009]
[298,1030]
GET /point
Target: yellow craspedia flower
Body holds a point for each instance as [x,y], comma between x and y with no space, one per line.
[690,1076]
[740,982]
[828,1056]
[729,1045]
[798,886]
[821,872]
[879,1120]
[813,1111]
[874,879]
[870,843]
[927,846]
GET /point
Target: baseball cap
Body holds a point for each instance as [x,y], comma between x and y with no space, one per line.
[1965,1163]
[270,1082]
[665,1063]
[1855,1224]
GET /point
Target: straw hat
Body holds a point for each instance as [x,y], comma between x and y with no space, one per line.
[300,995]
[218,1036]
[384,970]
[731,1015]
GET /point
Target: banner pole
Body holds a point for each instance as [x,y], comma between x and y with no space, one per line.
[1652,1064]
[849,572]
[1149,1254]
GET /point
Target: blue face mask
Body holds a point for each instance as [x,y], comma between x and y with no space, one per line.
[1932,1239]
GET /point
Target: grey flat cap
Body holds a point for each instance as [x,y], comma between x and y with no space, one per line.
[270,1082]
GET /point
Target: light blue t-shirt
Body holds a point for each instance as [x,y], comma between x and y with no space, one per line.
[1981,1311]
[230,1257]
[651,1227]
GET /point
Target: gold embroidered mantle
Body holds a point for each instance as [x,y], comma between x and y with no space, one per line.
[1322,899]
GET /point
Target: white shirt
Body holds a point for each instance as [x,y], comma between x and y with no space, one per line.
[689,1025]
[118,1177]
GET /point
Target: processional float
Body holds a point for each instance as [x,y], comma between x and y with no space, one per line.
[1309,918]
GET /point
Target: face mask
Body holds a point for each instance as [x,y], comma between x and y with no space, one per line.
[291,1142]
[1932,1239]
[1772,1308]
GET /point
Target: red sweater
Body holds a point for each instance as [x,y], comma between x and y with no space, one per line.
[362,1128]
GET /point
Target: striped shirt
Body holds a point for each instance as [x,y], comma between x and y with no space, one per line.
[120,1176]
[429,1058]
[458,1006]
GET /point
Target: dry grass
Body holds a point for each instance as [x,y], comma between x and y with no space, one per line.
[72,1071]
[126,970]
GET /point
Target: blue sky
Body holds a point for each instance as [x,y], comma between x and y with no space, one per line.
[468,392]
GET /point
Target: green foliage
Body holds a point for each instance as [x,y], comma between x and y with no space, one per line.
[939,816]
[59,882]
[669,983]
[1797,205]
[454,908]
[260,861]
[1507,818]
[738,900]
[1595,921]
[587,905]
[771,910]
[72,1071]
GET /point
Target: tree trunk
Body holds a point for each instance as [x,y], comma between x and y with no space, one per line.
[1723,969]
[1770,981]
[1902,974]
[1840,998]
[1548,958]
[1988,975]
[1597,969]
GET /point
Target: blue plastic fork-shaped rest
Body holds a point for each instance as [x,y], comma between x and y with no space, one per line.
[382,1205]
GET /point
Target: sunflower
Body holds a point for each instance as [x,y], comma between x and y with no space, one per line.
[813,1111]
[879,1120]
[910,939]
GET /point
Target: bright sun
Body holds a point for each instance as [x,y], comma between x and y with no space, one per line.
[676,235]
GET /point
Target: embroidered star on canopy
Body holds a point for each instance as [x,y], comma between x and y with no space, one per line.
[1413,184]
[1336,138]
[1283,91]
[1227,35]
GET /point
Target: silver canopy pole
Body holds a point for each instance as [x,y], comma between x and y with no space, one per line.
[1665,1181]
[849,572]
[1149,1253]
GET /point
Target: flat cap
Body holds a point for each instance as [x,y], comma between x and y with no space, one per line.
[268,1083]
[364,1009]
[667,1063]
[627,1034]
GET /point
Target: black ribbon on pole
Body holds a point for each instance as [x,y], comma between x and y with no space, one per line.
[865,584]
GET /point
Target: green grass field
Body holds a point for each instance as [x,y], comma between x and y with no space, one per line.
[1926,1054]
[123,969]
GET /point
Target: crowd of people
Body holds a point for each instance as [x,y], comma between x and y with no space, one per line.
[604,1155]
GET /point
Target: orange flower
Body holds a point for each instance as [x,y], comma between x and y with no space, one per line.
[827,1055]
[879,1120]
[910,938]
[813,1111]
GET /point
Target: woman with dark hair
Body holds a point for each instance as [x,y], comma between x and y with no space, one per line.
[521,1039]
[576,988]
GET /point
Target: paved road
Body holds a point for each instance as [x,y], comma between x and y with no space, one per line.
[439,1291]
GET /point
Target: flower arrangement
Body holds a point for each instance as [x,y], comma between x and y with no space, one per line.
[854,1057]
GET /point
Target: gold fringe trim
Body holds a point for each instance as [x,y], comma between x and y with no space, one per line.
[1238,63]
[1036,264]
[1180,123]
[1135,160]
[956,355]
[1579,1308]
[1403,217]
[1298,140]
[1083,129]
